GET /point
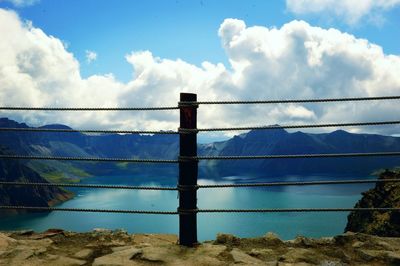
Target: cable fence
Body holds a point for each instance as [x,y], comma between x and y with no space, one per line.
[188,160]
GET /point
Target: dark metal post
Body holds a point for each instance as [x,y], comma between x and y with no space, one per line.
[187,170]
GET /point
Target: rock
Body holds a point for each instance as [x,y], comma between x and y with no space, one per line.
[83,254]
[22,232]
[151,249]
[40,251]
[6,241]
[22,253]
[101,231]
[119,258]
[357,244]
[116,249]
[303,241]
[66,261]
[200,261]
[324,241]
[210,250]
[227,239]
[350,237]
[113,243]
[150,238]
[369,255]
[205,254]
[239,257]
[294,264]
[271,263]
[380,255]
[156,254]
[120,231]
[47,233]
[272,239]
[393,257]
[265,252]
[332,263]
[385,245]
[36,243]
[297,255]
[337,253]
[52,256]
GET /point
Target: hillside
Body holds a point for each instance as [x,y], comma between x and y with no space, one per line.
[383,195]
[258,142]
[82,145]
[23,195]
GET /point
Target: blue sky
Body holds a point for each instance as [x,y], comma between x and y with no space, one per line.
[109,53]
[173,28]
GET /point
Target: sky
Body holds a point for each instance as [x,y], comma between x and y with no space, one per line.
[103,53]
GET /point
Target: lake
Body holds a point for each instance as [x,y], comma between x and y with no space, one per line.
[286,225]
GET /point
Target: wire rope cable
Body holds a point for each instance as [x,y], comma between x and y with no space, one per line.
[378,123]
[320,100]
[37,208]
[95,131]
[55,158]
[5,183]
[296,156]
[20,108]
[301,183]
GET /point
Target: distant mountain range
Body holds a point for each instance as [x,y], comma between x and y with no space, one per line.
[279,141]
[257,142]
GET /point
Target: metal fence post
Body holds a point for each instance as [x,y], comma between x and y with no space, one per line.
[187,182]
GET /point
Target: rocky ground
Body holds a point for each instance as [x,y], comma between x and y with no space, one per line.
[103,247]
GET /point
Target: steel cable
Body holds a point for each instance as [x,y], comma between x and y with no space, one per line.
[300,183]
[295,126]
[29,129]
[271,210]
[186,158]
[4,183]
[271,184]
[296,156]
[20,108]
[13,207]
[293,210]
[299,100]
[53,158]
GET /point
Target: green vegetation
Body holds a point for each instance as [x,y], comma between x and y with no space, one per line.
[381,223]
[58,172]
[123,165]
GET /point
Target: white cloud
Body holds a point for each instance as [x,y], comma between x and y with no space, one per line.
[294,61]
[21,3]
[351,11]
[90,56]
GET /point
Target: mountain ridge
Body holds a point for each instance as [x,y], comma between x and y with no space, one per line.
[255,142]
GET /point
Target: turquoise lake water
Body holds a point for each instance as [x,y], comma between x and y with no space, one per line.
[286,225]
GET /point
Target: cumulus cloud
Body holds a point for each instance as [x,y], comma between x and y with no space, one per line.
[22,3]
[90,56]
[294,61]
[351,11]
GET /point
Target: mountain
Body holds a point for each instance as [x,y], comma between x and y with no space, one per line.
[257,142]
[275,142]
[23,195]
[383,223]
[83,145]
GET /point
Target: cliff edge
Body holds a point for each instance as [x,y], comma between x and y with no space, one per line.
[383,195]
